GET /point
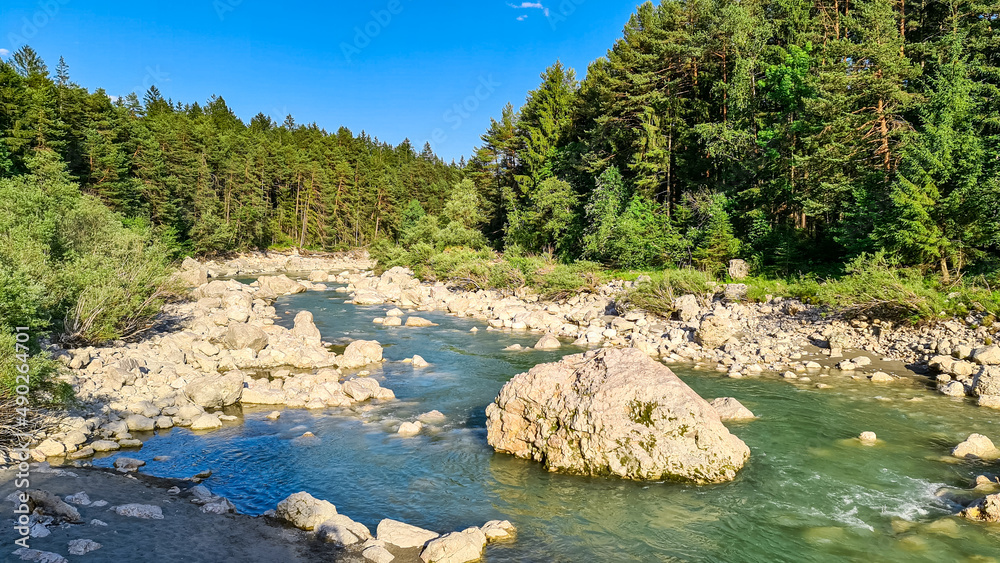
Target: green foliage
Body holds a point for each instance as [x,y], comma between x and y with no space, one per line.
[657,294]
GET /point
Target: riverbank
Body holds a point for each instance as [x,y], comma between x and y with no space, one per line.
[181,524]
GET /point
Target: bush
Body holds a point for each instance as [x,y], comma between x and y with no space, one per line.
[657,295]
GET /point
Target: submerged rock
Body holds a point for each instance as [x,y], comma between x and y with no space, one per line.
[615,411]
[731,409]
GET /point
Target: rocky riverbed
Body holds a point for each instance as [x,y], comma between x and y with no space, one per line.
[222,347]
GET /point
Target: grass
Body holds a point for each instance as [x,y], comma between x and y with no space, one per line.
[871,285]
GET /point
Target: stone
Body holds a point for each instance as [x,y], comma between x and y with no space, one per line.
[49,504]
[360,353]
[81,498]
[418,322]
[280,285]
[83,546]
[392,321]
[687,307]
[410,428]
[273,415]
[206,421]
[305,511]
[51,448]
[305,328]
[104,446]
[498,530]
[128,464]
[242,335]
[419,362]
[38,556]
[738,269]
[735,292]
[714,331]
[988,401]
[881,377]
[403,535]
[432,417]
[342,531]
[377,554]
[976,446]
[987,381]
[456,547]
[548,342]
[986,355]
[215,391]
[144,511]
[617,412]
[952,389]
[394,312]
[139,423]
[731,409]
[986,509]
[360,388]
[868,438]
[220,506]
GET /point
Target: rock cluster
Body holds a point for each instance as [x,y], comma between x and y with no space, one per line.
[613,412]
[306,512]
[221,348]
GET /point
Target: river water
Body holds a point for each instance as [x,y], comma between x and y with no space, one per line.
[810,492]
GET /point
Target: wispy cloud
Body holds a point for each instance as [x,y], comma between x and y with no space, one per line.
[4,52]
[529,5]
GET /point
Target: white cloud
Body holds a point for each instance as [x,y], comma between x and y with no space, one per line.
[4,52]
[531,5]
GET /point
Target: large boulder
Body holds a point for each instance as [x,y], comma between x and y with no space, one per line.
[280,285]
[714,331]
[360,353]
[215,391]
[305,511]
[243,335]
[738,269]
[305,328]
[617,412]
[341,530]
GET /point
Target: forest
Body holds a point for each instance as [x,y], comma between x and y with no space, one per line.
[818,140]
[795,134]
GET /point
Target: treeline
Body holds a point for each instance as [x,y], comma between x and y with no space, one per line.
[795,133]
[205,180]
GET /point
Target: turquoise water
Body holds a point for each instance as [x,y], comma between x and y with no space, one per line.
[809,493]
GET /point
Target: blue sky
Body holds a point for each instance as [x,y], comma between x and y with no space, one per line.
[395,68]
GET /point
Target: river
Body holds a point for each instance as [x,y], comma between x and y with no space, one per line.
[810,491]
